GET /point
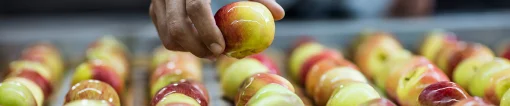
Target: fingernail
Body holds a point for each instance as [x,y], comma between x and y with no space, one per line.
[216,48]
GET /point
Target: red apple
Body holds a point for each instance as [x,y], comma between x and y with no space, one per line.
[473,101]
[46,54]
[299,55]
[94,90]
[325,54]
[434,41]
[17,67]
[181,88]
[375,51]
[446,54]
[442,94]
[173,71]
[322,67]
[252,85]
[268,62]
[471,50]
[247,27]
[35,77]
[99,70]
[379,102]
[413,82]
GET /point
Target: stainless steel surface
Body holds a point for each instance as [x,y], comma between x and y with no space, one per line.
[72,34]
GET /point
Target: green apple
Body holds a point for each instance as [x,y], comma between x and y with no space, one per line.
[275,95]
[239,71]
[465,71]
[33,87]
[15,94]
[375,51]
[483,77]
[353,94]
[300,55]
[412,83]
[505,100]
[177,98]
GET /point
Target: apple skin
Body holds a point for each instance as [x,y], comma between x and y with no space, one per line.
[92,89]
[352,94]
[253,84]
[161,55]
[17,95]
[322,67]
[323,92]
[506,52]
[33,87]
[18,67]
[173,71]
[177,99]
[117,62]
[391,65]
[236,73]
[434,41]
[222,64]
[86,102]
[299,55]
[498,86]
[467,68]
[379,102]
[247,27]
[332,79]
[274,95]
[442,93]
[447,52]
[474,101]
[411,84]
[303,39]
[46,54]
[373,53]
[98,70]
[481,80]
[268,62]
[392,81]
[471,50]
[311,61]
[34,77]
[184,88]
[505,99]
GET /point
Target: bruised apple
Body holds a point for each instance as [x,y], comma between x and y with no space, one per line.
[247,27]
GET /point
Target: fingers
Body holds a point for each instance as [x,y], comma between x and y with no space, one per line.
[199,11]
[163,35]
[274,7]
[181,30]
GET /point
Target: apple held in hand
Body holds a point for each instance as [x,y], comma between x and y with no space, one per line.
[353,94]
[379,102]
[274,95]
[15,94]
[375,51]
[442,94]
[434,41]
[467,68]
[239,71]
[86,102]
[98,70]
[182,92]
[253,84]
[299,55]
[481,80]
[322,67]
[413,82]
[94,90]
[268,62]
[247,27]
[474,101]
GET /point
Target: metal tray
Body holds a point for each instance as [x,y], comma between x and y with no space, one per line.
[72,34]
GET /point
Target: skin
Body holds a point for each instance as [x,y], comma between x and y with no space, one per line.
[192,27]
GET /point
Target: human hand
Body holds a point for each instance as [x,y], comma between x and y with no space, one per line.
[189,25]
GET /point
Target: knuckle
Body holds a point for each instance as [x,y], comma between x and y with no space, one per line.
[193,5]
